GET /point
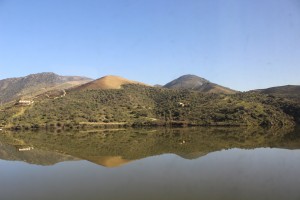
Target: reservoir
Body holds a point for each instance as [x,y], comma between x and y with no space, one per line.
[190,163]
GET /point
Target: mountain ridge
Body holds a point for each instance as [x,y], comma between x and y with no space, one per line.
[34,84]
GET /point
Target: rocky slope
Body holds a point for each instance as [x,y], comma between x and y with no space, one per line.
[34,84]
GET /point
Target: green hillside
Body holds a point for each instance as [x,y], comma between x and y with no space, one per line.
[137,105]
[288,91]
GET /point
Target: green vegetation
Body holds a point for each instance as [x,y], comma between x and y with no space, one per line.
[137,105]
[291,92]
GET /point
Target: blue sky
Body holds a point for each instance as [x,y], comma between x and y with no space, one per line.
[241,44]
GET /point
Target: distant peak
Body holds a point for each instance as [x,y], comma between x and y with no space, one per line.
[193,82]
[192,76]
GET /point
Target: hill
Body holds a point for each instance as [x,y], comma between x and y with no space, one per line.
[107,82]
[140,105]
[193,82]
[287,91]
[34,84]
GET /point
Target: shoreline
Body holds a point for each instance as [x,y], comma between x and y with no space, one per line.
[93,125]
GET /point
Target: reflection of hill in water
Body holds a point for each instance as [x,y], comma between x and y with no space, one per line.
[108,161]
[114,148]
[33,156]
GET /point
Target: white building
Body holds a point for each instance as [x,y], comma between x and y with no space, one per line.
[25,102]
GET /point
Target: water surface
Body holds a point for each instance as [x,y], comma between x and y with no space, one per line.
[150,164]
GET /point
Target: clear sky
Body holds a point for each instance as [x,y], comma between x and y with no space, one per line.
[241,44]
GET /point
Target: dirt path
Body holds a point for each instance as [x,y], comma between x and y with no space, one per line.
[21,112]
[61,96]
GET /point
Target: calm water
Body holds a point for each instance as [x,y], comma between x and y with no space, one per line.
[151,164]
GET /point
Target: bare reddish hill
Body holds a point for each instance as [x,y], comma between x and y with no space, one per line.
[107,82]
